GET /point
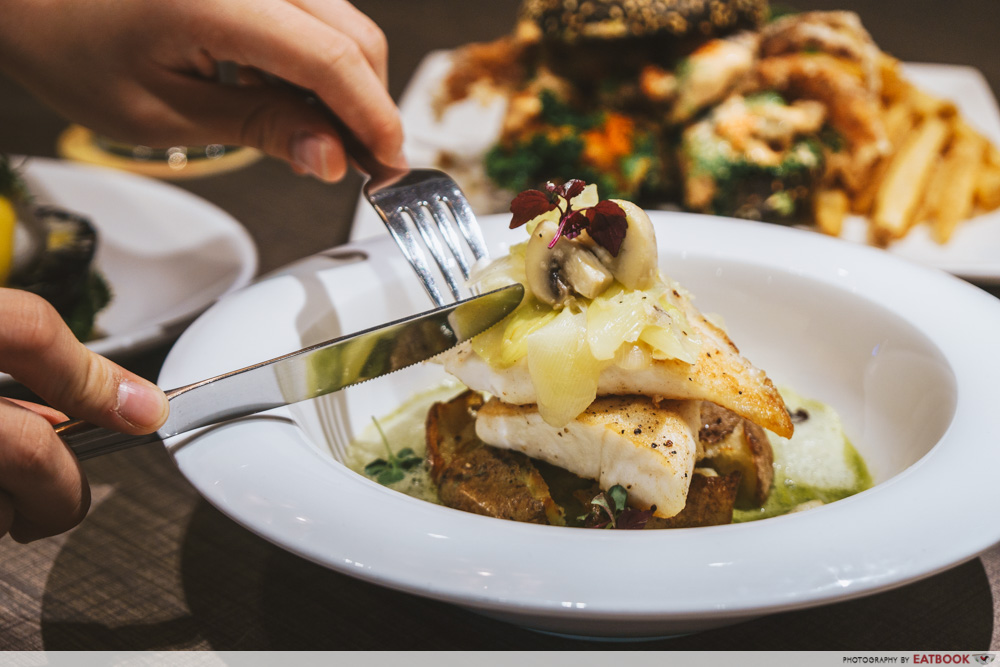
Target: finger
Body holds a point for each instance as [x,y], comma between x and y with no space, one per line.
[38,350]
[346,18]
[276,120]
[46,486]
[50,415]
[307,52]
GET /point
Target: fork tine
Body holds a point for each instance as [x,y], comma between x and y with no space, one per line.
[442,215]
[404,239]
[466,220]
[425,223]
[431,201]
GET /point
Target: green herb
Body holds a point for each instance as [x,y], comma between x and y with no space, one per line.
[11,185]
[609,509]
[393,468]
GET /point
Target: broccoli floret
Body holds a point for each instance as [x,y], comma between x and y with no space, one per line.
[557,113]
[746,189]
[534,160]
[724,180]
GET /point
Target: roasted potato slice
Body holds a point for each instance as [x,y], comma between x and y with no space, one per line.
[475,477]
[710,502]
[734,444]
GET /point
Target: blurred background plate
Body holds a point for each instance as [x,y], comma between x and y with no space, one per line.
[166,253]
[469,128]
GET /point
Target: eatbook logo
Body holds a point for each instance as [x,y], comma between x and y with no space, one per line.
[985,658]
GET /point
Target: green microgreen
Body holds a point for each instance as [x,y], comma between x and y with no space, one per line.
[609,509]
[394,467]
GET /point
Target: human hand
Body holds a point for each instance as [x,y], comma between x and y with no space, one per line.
[146,72]
[43,490]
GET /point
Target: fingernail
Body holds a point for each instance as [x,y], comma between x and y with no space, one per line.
[140,405]
[310,153]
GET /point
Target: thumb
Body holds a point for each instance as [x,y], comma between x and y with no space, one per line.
[38,350]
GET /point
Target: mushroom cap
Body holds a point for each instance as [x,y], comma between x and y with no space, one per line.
[576,20]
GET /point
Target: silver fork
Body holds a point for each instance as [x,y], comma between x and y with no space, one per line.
[430,202]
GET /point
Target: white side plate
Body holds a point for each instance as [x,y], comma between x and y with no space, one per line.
[166,253]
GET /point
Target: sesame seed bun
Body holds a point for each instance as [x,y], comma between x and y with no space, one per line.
[594,20]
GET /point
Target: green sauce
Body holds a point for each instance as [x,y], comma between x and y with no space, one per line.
[817,465]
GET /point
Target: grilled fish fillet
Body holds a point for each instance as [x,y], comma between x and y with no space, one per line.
[720,375]
[648,448]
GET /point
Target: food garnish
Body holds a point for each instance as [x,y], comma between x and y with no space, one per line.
[605,221]
[394,467]
[609,509]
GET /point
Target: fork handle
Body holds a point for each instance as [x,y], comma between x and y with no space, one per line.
[87,441]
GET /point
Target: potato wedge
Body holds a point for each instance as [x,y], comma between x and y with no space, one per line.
[733,444]
[477,478]
[710,502]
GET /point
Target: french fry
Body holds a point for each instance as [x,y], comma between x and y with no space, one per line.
[930,202]
[927,105]
[993,155]
[957,182]
[899,120]
[894,85]
[988,187]
[900,191]
[829,208]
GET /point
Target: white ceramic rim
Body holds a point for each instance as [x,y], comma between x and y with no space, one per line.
[239,240]
[936,514]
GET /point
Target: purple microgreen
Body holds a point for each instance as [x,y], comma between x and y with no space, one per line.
[605,222]
[609,509]
[570,227]
[607,225]
[571,188]
[529,205]
[633,519]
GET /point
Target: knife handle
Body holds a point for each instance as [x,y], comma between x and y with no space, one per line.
[87,441]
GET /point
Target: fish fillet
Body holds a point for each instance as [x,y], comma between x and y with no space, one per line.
[720,375]
[648,448]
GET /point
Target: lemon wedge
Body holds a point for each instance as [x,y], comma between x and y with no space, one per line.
[8,220]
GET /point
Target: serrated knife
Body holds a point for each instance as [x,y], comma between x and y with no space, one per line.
[311,372]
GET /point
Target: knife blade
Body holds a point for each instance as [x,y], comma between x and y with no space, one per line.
[308,373]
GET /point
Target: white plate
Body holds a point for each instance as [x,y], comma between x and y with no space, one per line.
[468,129]
[905,353]
[166,253]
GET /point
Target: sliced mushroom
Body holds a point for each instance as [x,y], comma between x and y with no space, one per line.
[636,264]
[556,274]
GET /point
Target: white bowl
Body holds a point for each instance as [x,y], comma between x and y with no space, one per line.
[906,354]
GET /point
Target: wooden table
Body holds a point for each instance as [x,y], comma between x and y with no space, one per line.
[155,567]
